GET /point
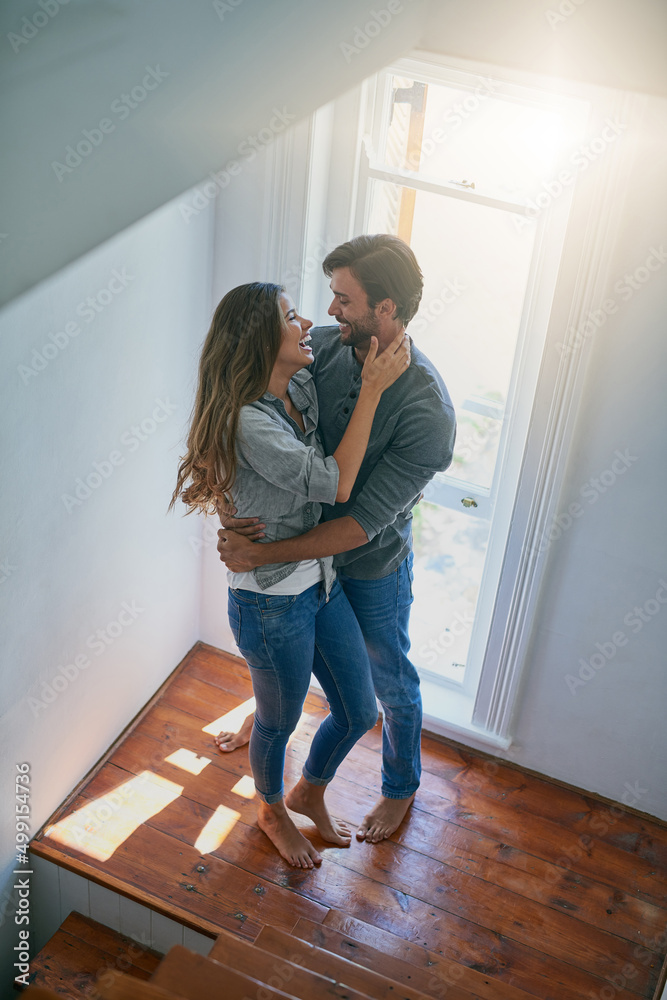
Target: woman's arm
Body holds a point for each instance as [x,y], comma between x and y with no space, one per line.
[377,375]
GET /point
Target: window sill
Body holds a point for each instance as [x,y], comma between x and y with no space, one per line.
[448,713]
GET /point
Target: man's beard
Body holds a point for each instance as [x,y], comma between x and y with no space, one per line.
[360,331]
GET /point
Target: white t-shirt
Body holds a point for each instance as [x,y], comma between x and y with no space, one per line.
[307,573]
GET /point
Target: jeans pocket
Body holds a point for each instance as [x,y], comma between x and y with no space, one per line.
[274,605]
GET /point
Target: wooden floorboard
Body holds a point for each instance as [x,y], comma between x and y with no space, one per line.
[540,886]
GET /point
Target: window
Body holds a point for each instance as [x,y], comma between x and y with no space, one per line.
[464,166]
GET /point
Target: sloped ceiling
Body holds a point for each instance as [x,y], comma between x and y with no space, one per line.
[152,95]
[220,72]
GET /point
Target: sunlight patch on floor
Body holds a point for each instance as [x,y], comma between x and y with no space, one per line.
[216,830]
[103,824]
[231,721]
[188,760]
[245,787]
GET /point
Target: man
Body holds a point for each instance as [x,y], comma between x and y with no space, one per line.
[377,287]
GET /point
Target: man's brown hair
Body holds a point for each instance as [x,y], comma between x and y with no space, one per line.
[385,267]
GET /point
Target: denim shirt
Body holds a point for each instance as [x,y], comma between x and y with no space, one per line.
[283,472]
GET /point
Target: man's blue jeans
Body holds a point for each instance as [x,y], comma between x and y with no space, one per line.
[284,639]
[382,608]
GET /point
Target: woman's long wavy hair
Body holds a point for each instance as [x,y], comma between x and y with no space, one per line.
[237,359]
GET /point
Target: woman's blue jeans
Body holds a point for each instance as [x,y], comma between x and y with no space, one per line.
[284,639]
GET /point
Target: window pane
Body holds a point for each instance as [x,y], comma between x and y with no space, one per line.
[505,148]
[475,263]
[449,549]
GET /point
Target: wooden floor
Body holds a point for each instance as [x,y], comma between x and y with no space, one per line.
[535,885]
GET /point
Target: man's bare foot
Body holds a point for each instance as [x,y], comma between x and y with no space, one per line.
[384,819]
[308,800]
[281,831]
[226,742]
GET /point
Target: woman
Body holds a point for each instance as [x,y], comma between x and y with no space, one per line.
[253,437]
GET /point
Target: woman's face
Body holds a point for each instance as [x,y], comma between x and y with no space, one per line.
[295,351]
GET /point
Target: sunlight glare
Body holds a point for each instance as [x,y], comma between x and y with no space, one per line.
[231,721]
[103,824]
[540,142]
[188,760]
[305,719]
[245,787]
[216,830]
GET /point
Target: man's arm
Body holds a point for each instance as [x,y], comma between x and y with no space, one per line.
[423,444]
[326,539]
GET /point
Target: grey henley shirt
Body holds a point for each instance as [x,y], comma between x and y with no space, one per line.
[412,438]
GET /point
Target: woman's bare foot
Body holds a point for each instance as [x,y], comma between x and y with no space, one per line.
[285,837]
[384,819]
[308,800]
[226,742]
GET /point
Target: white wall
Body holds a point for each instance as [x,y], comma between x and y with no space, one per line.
[610,730]
[616,43]
[239,236]
[70,569]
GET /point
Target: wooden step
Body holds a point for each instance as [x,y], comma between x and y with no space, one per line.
[426,970]
[194,977]
[385,963]
[40,993]
[80,950]
[124,987]
[347,972]
[252,960]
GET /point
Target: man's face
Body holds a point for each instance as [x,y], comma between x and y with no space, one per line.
[357,323]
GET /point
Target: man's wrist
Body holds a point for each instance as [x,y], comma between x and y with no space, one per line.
[257,556]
